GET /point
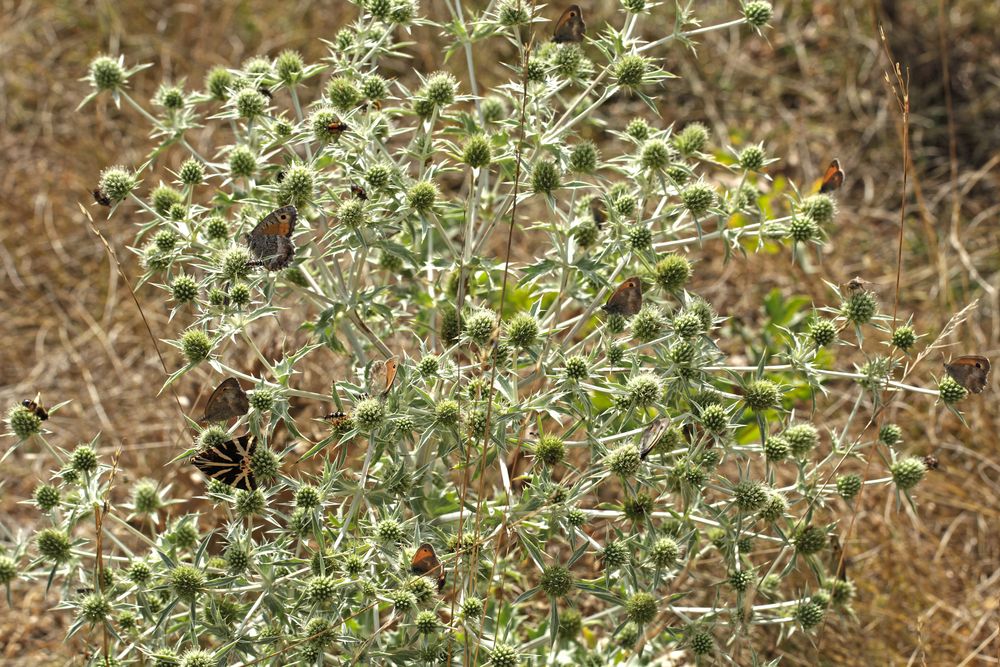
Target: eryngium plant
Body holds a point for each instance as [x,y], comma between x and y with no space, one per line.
[516,437]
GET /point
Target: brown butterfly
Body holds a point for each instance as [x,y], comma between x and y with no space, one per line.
[101,197]
[651,436]
[270,241]
[227,401]
[570,26]
[33,406]
[971,371]
[381,375]
[627,299]
[833,178]
[425,562]
[359,192]
[229,462]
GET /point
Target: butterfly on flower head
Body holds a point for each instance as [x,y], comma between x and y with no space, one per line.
[425,563]
[381,375]
[970,371]
[626,300]
[570,26]
[229,462]
[33,406]
[651,436]
[227,401]
[270,241]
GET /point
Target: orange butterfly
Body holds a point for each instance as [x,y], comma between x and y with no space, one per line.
[381,375]
[570,26]
[425,562]
[627,299]
[833,178]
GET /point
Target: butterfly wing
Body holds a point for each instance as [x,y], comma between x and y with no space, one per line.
[651,436]
[970,371]
[270,241]
[598,211]
[227,401]
[229,462]
[381,375]
[570,26]
[833,178]
[626,300]
[279,222]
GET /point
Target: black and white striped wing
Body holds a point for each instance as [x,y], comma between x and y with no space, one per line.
[229,463]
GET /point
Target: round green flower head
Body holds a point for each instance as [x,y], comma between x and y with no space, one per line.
[584,157]
[550,450]
[198,658]
[237,559]
[250,503]
[570,623]
[908,472]
[627,636]
[192,172]
[522,330]
[265,465]
[242,162]
[139,573]
[698,198]
[638,129]
[429,365]
[477,152]
[776,449]
[118,183]
[184,289]
[146,497]
[374,87]
[352,213]
[440,89]
[493,109]
[218,81]
[389,530]
[585,233]
[343,93]
[762,395]
[479,326]
[297,188]
[380,9]
[403,600]
[195,345]
[749,495]
[187,581]
[774,507]
[422,195]
[369,413]
[320,589]
[54,545]
[644,390]
[655,155]
[848,486]
[504,655]
[472,607]
[740,580]
[641,608]
[803,229]
[823,332]
[8,570]
[640,237]
[289,67]
[576,517]
[841,592]
[630,71]
[951,390]
[47,497]
[672,272]
[94,608]
[250,103]
[648,323]
[701,643]
[890,434]
[83,459]
[577,368]
[809,615]
[427,622]
[513,13]
[687,324]
[326,125]
[545,177]
[567,60]
[165,240]
[757,13]
[692,139]
[820,208]
[752,158]
[23,422]
[802,439]
[809,540]
[904,337]
[184,535]
[624,461]
[106,73]
[163,198]
[860,307]
[664,552]
[556,581]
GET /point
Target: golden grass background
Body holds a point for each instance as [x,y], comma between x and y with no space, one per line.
[813,88]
